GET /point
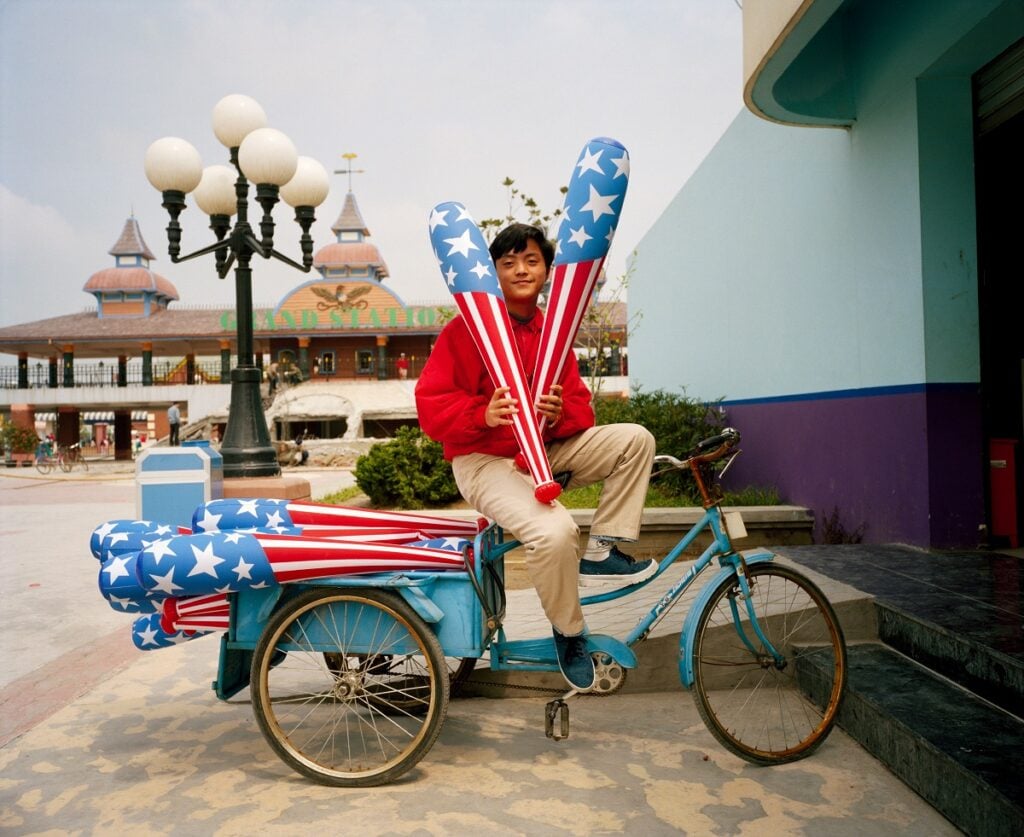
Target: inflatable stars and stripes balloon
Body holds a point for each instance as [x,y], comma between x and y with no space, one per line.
[148,634]
[473,281]
[225,562]
[195,613]
[119,585]
[590,216]
[180,581]
[123,535]
[315,518]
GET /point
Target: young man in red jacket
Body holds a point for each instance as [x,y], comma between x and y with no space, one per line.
[459,406]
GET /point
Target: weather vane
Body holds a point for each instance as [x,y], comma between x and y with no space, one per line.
[349,156]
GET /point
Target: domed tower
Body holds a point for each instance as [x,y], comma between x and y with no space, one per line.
[352,257]
[130,288]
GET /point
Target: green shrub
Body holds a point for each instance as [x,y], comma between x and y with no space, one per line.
[18,439]
[408,472]
[677,423]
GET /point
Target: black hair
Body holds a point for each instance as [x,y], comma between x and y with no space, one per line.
[514,238]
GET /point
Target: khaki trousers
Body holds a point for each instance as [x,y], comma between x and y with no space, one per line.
[619,454]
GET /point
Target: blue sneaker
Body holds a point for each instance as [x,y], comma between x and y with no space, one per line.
[618,566]
[574,660]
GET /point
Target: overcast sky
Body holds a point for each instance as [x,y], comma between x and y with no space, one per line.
[441,100]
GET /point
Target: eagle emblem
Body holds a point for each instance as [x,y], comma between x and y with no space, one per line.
[340,298]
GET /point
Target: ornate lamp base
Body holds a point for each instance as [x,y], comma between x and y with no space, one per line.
[246,447]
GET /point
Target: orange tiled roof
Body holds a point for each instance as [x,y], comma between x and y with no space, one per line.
[130,279]
[350,254]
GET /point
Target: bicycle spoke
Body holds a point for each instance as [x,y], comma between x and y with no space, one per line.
[751,702]
[355,701]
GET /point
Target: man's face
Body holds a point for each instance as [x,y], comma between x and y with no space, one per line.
[522,275]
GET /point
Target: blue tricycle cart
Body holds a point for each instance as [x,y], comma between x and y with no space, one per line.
[350,677]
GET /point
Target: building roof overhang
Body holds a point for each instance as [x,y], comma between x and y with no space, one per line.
[796,61]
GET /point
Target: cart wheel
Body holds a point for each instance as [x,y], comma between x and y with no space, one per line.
[396,689]
[349,687]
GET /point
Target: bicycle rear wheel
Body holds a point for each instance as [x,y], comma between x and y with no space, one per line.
[763,710]
[65,464]
[349,687]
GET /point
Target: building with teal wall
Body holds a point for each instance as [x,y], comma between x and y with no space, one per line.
[841,272]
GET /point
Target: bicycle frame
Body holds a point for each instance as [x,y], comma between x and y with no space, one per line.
[530,654]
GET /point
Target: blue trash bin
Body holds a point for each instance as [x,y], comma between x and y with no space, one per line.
[171,482]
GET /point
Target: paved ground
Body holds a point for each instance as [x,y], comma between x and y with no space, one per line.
[96,737]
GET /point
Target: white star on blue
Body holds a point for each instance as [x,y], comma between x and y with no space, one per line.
[252,514]
[460,247]
[594,202]
[195,565]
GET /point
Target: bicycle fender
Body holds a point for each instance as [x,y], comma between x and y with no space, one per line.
[424,606]
[688,635]
[618,651]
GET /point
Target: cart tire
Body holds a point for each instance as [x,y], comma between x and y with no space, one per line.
[765,711]
[349,686]
[459,669]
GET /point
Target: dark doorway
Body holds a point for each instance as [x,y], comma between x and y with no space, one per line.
[1000,185]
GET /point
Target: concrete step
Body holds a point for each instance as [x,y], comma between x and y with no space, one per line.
[961,753]
[986,671]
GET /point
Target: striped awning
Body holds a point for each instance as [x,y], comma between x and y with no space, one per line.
[96,417]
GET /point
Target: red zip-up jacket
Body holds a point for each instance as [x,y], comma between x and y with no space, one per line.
[455,388]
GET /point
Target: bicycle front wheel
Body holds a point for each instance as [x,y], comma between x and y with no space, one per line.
[44,466]
[349,687]
[763,709]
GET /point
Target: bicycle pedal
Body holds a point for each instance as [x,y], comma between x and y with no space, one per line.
[556,709]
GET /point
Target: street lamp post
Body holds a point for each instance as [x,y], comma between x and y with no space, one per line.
[266,157]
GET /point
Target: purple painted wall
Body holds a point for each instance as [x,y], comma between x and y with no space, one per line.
[906,463]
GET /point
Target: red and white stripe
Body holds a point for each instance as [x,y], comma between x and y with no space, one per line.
[488,322]
[296,559]
[310,515]
[572,288]
[203,613]
[356,533]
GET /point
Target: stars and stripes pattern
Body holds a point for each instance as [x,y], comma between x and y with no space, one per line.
[196,613]
[323,520]
[148,633]
[195,565]
[471,278]
[590,216]
[121,536]
[119,584]
[180,582]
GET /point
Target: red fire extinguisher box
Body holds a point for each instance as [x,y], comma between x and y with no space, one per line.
[1002,456]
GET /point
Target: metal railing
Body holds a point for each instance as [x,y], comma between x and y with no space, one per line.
[164,372]
[173,372]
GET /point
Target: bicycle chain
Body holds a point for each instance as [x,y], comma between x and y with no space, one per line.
[546,689]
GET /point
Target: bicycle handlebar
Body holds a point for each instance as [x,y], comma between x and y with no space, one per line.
[717,446]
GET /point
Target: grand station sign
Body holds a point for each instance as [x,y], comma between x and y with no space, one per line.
[327,305]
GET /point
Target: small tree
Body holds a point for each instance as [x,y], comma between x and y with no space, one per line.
[602,330]
[522,208]
[18,439]
[407,472]
[676,422]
